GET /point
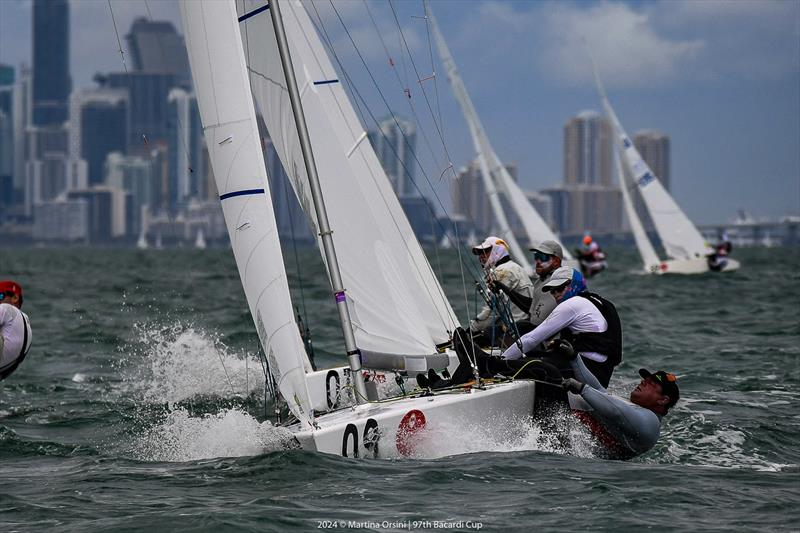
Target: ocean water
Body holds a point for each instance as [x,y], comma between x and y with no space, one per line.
[141,406]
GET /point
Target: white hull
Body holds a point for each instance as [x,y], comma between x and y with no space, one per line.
[406,427]
[689,266]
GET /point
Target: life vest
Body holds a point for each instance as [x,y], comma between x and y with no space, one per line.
[12,366]
[609,342]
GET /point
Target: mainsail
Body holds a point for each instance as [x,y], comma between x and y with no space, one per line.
[536,229]
[397,307]
[229,124]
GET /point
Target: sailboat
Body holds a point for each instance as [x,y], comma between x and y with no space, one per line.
[686,249]
[142,242]
[496,178]
[200,241]
[393,312]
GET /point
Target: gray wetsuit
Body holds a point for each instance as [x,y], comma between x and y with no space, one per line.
[633,428]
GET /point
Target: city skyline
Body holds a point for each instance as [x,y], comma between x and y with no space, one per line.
[729,108]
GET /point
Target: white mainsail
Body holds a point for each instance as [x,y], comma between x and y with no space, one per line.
[229,124]
[397,305]
[680,238]
[536,229]
[646,250]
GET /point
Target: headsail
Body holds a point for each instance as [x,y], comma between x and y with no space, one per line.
[536,228]
[397,305]
[229,125]
[680,238]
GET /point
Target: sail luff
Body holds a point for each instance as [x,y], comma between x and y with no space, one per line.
[229,125]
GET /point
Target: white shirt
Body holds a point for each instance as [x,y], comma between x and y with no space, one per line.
[11,325]
[578,314]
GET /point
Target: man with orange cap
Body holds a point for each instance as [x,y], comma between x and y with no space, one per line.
[15,328]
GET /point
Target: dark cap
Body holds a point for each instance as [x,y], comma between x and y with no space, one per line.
[11,287]
[668,382]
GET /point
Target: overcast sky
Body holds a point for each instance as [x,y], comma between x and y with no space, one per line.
[721,78]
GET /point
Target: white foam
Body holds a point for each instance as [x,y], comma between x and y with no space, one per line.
[79,378]
[566,436]
[176,363]
[229,433]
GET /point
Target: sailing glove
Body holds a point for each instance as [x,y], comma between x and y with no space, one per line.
[562,347]
[573,385]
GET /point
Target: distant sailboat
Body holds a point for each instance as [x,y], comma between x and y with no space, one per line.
[142,242]
[159,245]
[687,251]
[200,241]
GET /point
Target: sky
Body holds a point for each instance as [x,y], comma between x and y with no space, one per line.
[720,78]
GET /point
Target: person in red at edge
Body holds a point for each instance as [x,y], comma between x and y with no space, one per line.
[15,328]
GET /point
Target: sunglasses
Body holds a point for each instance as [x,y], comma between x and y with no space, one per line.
[3,295]
[542,257]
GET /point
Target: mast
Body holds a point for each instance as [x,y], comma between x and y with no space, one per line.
[319,203]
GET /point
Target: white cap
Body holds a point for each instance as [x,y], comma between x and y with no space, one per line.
[559,277]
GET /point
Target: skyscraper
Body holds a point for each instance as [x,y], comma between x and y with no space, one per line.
[6,136]
[156,47]
[469,198]
[654,147]
[98,122]
[394,143]
[587,150]
[186,148]
[147,98]
[51,80]
[592,202]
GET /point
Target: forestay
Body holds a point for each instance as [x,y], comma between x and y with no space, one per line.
[229,124]
[536,229]
[397,306]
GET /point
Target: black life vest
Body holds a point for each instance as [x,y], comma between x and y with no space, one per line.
[9,368]
[609,342]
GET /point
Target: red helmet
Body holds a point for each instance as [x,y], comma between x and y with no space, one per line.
[587,239]
[11,287]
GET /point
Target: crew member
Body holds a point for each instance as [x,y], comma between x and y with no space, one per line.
[493,321]
[624,428]
[15,328]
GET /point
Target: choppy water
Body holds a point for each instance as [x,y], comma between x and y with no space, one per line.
[141,406]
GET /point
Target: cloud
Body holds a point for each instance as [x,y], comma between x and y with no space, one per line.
[628,50]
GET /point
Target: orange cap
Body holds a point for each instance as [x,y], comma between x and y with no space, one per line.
[587,239]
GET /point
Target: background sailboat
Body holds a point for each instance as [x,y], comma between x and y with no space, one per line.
[686,249]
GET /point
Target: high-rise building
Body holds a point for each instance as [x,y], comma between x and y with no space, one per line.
[469,198]
[133,174]
[148,104]
[653,146]
[588,200]
[21,118]
[186,149]
[51,80]
[6,137]
[587,150]
[394,143]
[98,121]
[156,47]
